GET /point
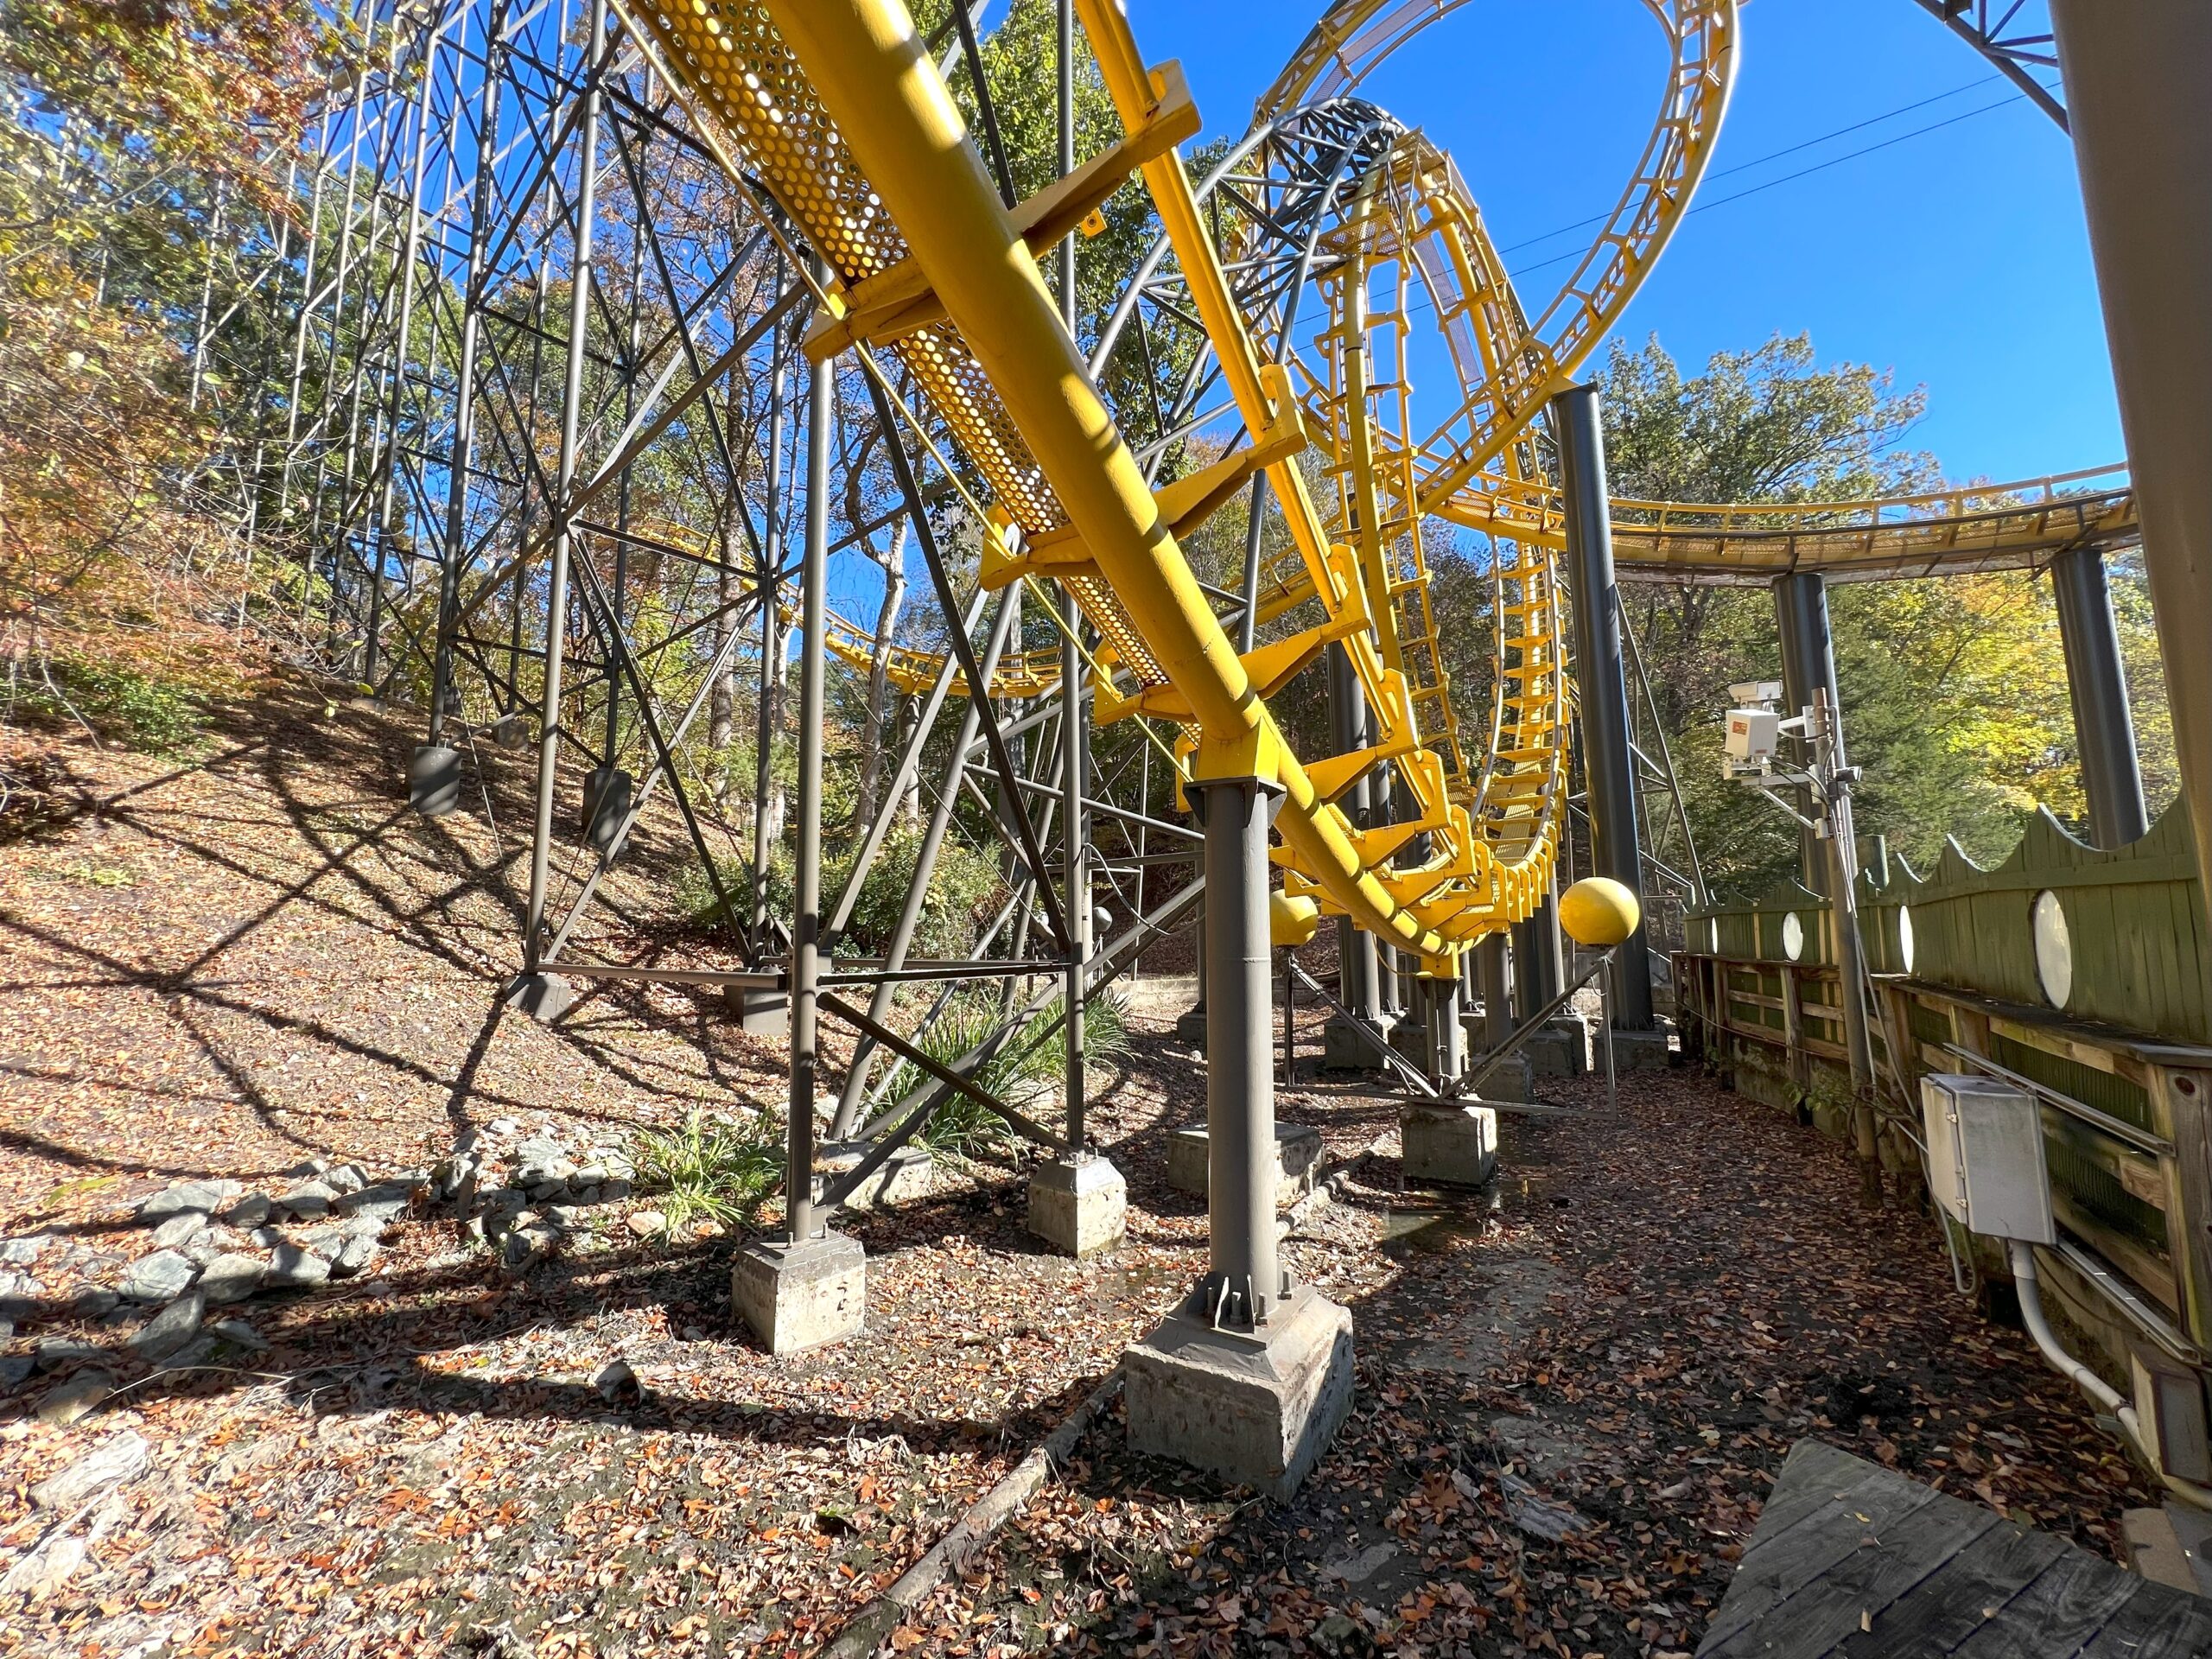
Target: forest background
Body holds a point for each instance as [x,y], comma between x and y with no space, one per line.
[150,158]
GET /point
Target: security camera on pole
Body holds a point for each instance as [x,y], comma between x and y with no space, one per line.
[1752,754]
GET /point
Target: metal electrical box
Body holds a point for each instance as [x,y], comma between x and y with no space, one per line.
[1752,734]
[1985,1156]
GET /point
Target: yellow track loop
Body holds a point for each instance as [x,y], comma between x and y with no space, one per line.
[1978,527]
[1522,373]
[834,105]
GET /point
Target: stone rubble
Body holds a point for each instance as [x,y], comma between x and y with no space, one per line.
[205,1244]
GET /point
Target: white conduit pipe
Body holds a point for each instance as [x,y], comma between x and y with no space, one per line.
[2025,1281]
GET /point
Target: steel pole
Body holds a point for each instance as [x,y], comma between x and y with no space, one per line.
[556,587]
[1075,735]
[1490,975]
[464,410]
[1800,615]
[806,877]
[2097,683]
[1245,1282]
[1358,966]
[2135,78]
[772,637]
[1608,762]
[1850,955]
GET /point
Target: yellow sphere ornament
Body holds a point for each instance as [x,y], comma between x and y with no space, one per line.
[1292,922]
[1598,911]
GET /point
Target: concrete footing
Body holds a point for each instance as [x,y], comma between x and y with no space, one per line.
[1513,1077]
[1078,1205]
[544,997]
[760,1014]
[904,1176]
[1346,1046]
[1637,1050]
[1190,1026]
[1258,1407]
[1448,1146]
[434,780]
[797,1296]
[1560,1049]
[608,790]
[1298,1161]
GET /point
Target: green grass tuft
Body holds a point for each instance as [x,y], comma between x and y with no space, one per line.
[711,1169]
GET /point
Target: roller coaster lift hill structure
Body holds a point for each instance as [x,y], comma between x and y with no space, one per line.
[556,253]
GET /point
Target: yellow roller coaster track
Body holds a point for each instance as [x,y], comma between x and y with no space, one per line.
[838,110]
[834,107]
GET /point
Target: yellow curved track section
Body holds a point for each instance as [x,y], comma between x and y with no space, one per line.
[834,107]
[1978,527]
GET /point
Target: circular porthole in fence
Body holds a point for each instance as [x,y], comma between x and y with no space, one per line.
[1792,936]
[2054,949]
[1904,937]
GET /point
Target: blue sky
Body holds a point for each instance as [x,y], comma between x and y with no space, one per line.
[1957,259]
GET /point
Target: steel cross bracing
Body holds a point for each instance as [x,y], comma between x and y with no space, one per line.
[412,467]
[458,418]
[2013,35]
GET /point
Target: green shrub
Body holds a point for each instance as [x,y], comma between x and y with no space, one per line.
[711,1169]
[965,888]
[122,705]
[961,1124]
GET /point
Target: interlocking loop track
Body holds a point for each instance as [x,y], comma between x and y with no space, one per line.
[837,111]
[833,107]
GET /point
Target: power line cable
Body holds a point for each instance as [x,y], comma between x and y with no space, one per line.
[1773,155]
[1802,172]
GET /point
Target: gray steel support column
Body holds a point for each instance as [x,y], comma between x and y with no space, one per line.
[772,636]
[1439,1012]
[2136,77]
[1801,616]
[464,417]
[2096,682]
[1490,978]
[1537,959]
[1359,978]
[1239,1030]
[1608,763]
[556,585]
[806,877]
[1075,726]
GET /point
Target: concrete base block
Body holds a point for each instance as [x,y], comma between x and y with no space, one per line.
[1348,1047]
[760,1014]
[544,997]
[906,1174]
[1637,1051]
[1559,1050]
[1298,1161]
[1257,1408]
[1448,1146]
[797,1296]
[434,780]
[1410,1036]
[608,790]
[1079,1206]
[1190,1026]
[1513,1077]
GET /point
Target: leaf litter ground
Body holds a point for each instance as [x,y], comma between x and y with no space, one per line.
[1572,1397]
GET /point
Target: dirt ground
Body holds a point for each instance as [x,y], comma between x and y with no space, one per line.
[223,967]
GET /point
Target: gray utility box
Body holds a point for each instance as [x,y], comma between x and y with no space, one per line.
[1985,1156]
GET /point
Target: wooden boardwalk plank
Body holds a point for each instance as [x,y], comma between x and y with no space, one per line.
[1958,1601]
[2058,1614]
[1858,1561]
[1819,1610]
